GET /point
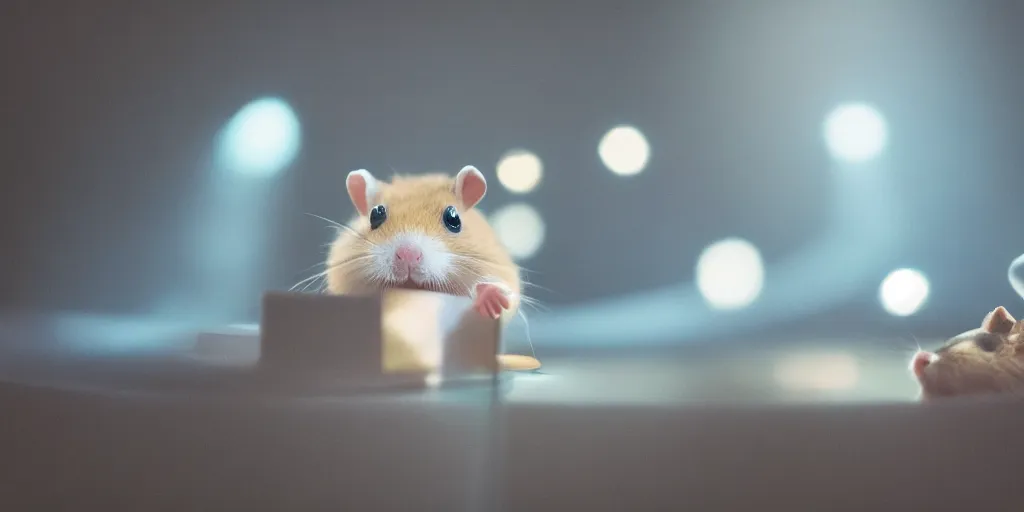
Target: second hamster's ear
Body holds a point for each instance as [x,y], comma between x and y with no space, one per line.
[999,321]
[470,186]
[1017,328]
[362,189]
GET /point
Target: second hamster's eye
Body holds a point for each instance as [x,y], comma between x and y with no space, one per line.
[378,215]
[987,342]
[451,219]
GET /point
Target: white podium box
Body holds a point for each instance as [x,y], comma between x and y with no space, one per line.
[402,338]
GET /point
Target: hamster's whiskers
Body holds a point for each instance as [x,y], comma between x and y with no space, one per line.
[325,219]
[349,261]
[527,283]
[529,337]
[467,271]
[524,299]
[474,259]
[343,227]
[532,302]
[916,341]
[446,285]
[311,280]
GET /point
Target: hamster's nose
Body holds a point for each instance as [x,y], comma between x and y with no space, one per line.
[920,361]
[409,254]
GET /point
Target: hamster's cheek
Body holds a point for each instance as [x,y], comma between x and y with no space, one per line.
[938,379]
[927,384]
[977,378]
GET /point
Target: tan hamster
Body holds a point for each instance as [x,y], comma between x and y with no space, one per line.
[422,232]
[989,359]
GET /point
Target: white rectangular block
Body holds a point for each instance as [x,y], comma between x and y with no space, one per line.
[403,336]
[320,335]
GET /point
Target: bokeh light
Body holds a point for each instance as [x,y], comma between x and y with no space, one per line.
[261,139]
[730,274]
[520,171]
[855,133]
[904,292]
[817,372]
[520,228]
[624,150]
[1016,275]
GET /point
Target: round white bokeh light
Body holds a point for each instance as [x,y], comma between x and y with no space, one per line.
[624,150]
[520,171]
[520,229]
[903,292]
[730,274]
[855,133]
[262,138]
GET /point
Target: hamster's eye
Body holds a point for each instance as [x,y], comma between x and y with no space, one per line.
[451,219]
[378,215]
[988,342]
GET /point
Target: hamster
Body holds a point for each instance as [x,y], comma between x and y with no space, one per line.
[423,232]
[989,359]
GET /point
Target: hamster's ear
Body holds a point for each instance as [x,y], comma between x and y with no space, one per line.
[470,186]
[999,321]
[362,189]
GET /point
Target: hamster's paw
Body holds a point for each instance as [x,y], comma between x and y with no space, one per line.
[491,298]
